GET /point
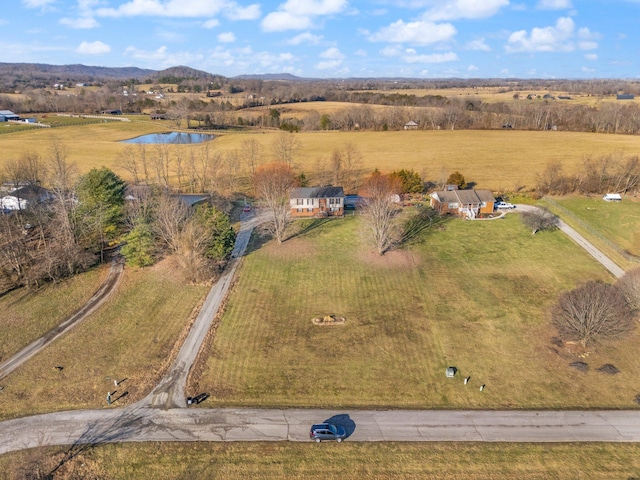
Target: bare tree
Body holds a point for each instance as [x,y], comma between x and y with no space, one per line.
[379,209]
[352,163]
[539,219]
[336,165]
[128,160]
[630,286]
[251,154]
[272,184]
[285,147]
[593,310]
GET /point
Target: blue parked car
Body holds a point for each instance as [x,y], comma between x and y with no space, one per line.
[327,431]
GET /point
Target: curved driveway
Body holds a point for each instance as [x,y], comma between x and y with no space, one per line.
[98,298]
[160,416]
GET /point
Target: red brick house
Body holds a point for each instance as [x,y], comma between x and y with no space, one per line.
[317,202]
[465,203]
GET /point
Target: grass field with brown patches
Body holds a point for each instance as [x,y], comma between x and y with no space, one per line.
[131,336]
[475,295]
[500,160]
[27,314]
[348,460]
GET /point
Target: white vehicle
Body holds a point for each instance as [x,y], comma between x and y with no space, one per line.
[505,205]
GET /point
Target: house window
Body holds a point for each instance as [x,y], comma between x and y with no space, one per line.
[309,209]
[299,201]
[453,205]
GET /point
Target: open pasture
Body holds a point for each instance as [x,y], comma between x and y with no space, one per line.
[497,159]
[474,295]
[619,222]
[345,461]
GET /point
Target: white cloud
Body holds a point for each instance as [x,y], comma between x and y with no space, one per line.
[391,51]
[93,48]
[470,9]
[478,44]
[418,33]
[37,3]
[299,14]
[588,70]
[472,68]
[168,8]
[554,4]
[411,56]
[79,23]
[226,37]
[332,58]
[161,57]
[306,37]
[547,39]
[279,21]
[212,23]
[591,56]
[360,52]
[250,12]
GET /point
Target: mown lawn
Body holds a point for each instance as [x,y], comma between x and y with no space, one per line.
[132,336]
[242,460]
[27,314]
[619,222]
[473,294]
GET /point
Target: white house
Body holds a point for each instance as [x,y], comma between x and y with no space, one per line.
[20,198]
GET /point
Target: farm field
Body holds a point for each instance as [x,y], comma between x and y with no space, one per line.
[619,222]
[474,295]
[27,314]
[131,336]
[496,159]
[269,460]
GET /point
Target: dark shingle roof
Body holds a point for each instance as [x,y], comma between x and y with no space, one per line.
[317,192]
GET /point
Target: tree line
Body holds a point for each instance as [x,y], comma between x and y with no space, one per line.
[77,220]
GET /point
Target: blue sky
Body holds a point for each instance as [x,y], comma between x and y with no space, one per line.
[333,38]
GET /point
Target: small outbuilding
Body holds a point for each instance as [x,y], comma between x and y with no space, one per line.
[612,197]
[451,372]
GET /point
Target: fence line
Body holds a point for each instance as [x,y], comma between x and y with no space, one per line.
[614,246]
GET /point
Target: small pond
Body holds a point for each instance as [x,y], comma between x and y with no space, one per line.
[172,137]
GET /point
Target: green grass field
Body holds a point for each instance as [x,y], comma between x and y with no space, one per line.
[500,160]
[242,460]
[132,336]
[29,313]
[619,222]
[474,295]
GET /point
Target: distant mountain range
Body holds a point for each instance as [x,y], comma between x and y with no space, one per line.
[92,73]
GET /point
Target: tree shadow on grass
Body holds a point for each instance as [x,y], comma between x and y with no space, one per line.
[416,228]
[306,226]
[98,432]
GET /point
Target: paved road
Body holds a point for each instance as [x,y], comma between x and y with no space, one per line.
[609,264]
[141,424]
[98,298]
[159,416]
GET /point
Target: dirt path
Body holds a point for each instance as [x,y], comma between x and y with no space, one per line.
[98,298]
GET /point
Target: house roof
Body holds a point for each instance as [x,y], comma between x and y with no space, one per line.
[6,112]
[464,197]
[317,192]
[411,123]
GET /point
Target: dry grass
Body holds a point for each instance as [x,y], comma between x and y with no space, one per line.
[132,336]
[475,295]
[500,160]
[242,460]
[28,314]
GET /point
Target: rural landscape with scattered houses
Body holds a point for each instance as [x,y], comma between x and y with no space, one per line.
[387,252]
